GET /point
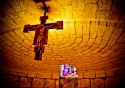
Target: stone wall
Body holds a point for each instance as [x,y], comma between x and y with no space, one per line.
[102,79]
[92,37]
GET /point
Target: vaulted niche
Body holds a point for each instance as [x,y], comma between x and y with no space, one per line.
[68,71]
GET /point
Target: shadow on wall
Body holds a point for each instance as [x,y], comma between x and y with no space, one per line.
[118,10]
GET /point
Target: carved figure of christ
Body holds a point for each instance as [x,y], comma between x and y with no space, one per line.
[41,34]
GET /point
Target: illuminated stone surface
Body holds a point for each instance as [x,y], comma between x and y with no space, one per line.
[93,38]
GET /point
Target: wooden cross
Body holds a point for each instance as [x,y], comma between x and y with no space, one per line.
[41,34]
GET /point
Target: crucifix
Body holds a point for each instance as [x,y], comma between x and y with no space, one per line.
[41,33]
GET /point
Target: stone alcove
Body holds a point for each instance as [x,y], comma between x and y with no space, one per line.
[68,76]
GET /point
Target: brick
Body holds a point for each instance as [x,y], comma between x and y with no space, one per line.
[66,35]
[37,83]
[116,33]
[6,41]
[44,75]
[23,49]
[48,51]
[104,5]
[97,83]
[78,40]
[105,49]
[108,33]
[28,36]
[89,75]
[86,27]
[78,5]
[8,48]
[100,74]
[102,15]
[79,83]
[31,74]
[17,44]
[107,53]
[85,83]
[71,29]
[57,84]
[49,83]
[122,37]
[90,11]
[15,36]
[101,30]
[25,82]
[60,58]
[96,51]
[111,42]
[18,72]
[68,83]
[27,42]
[95,61]
[93,31]
[78,28]
[110,73]
[20,20]
[16,52]
[117,46]
[2,43]
[49,56]
[55,75]
[98,40]
[4,26]
[80,75]
[68,12]
[9,37]
[9,21]
[114,82]
[103,43]
[20,34]
[102,23]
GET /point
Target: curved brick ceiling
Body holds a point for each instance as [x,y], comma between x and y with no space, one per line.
[93,37]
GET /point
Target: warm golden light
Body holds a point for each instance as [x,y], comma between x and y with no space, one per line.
[92,39]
